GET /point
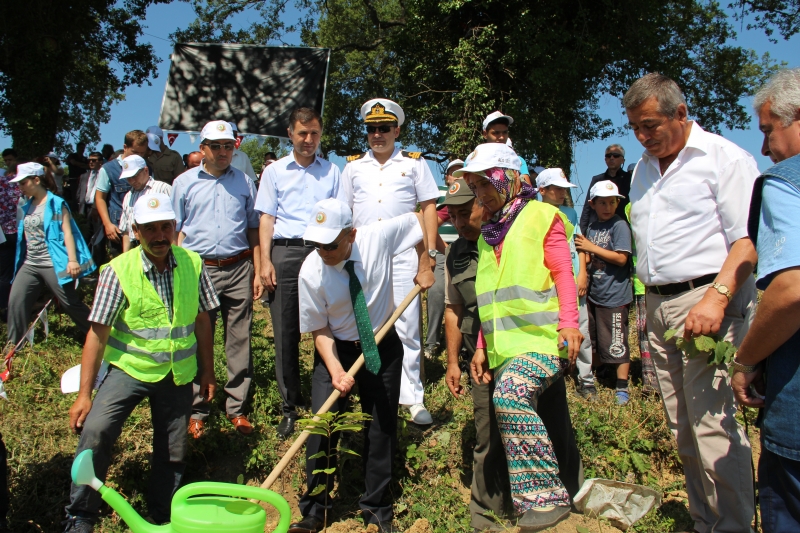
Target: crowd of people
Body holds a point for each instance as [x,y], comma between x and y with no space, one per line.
[522,292]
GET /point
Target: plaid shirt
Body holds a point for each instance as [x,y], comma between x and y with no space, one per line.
[126,219]
[109,299]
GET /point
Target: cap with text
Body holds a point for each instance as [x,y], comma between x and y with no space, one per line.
[131,165]
[497,115]
[382,110]
[155,130]
[217,130]
[489,155]
[458,193]
[328,219]
[154,142]
[604,189]
[553,176]
[26,170]
[153,207]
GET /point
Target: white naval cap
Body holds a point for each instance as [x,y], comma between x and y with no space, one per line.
[497,115]
[131,166]
[217,130]
[153,207]
[328,219]
[382,110]
[553,176]
[489,155]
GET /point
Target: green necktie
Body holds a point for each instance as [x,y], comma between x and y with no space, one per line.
[371,356]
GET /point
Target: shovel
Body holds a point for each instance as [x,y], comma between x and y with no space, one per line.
[303,437]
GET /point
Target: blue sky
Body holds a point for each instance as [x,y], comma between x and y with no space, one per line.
[142,105]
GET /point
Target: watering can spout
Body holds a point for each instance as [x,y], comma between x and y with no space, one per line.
[83,474]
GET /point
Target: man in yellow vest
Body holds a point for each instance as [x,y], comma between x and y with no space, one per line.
[150,325]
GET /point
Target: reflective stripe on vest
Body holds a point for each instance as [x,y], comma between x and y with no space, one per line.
[152,334]
[158,357]
[517,298]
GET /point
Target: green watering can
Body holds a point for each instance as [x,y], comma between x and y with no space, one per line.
[204,507]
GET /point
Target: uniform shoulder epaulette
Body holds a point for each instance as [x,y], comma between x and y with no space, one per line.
[412,155]
[355,157]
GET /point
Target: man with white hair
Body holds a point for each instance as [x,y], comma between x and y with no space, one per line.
[690,197]
[615,159]
[768,358]
[167,163]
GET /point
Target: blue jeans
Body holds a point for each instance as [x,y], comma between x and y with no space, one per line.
[779,492]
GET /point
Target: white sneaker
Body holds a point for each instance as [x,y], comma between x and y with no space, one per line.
[420,415]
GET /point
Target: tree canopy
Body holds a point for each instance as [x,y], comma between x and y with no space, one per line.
[63,64]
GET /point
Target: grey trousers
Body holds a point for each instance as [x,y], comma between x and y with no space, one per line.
[25,291]
[284,309]
[234,285]
[491,490]
[436,305]
[118,395]
[584,361]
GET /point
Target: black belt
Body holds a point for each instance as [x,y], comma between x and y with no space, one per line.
[288,242]
[671,289]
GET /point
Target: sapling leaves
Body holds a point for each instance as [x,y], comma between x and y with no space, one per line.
[718,352]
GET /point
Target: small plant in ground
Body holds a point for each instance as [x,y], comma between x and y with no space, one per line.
[325,425]
[719,352]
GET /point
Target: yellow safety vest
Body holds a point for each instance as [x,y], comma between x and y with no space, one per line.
[517,299]
[143,342]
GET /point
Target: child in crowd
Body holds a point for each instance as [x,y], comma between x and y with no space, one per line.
[608,244]
[553,185]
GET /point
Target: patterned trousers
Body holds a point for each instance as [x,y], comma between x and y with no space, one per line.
[532,464]
[649,383]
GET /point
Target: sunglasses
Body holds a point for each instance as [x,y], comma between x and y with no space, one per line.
[327,247]
[217,146]
[613,155]
[382,129]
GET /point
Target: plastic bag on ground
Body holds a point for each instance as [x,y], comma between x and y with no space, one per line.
[622,504]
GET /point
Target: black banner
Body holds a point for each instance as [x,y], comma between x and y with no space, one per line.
[256,87]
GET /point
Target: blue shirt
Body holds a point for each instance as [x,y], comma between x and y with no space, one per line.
[215,213]
[523,167]
[778,242]
[289,191]
[103,182]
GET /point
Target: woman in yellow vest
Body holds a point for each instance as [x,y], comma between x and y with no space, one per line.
[527,301]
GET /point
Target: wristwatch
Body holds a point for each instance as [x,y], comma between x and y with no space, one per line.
[744,369]
[723,290]
[432,253]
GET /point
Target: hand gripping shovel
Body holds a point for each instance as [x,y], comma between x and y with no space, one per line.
[301,439]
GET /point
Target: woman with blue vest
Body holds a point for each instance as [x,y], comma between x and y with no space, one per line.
[528,307]
[51,253]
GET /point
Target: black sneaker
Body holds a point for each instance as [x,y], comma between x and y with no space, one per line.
[588,393]
[74,524]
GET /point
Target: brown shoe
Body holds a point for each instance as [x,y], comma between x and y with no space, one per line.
[196,429]
[241,424]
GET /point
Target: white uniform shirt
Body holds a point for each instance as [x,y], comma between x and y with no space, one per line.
[685,221]
[241,161]
[378,192]
[324,290]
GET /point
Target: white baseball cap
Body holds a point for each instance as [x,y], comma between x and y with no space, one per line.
[382,110]
[553,176]
[26,170]
[131,166]
[154,142]
[217,130]
[153,207]
[491,117]
[453,163]
[603,189]
[328,219]
[489,155]
[155,130]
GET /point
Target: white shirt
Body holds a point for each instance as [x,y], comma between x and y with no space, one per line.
[241,161]
[685,221]
[378,192]
[324,291]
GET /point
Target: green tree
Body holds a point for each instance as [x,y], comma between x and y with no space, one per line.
[63,64]
[770,14]
[546,62]
[257,147]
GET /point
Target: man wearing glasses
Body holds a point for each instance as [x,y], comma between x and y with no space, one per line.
[615,158]
[346,296]
[215,213]
[383,183]
[289,189]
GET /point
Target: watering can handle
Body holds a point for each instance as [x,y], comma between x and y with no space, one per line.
[211,488]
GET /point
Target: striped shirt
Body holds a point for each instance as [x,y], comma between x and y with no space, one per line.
[126,219]
[109,299]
